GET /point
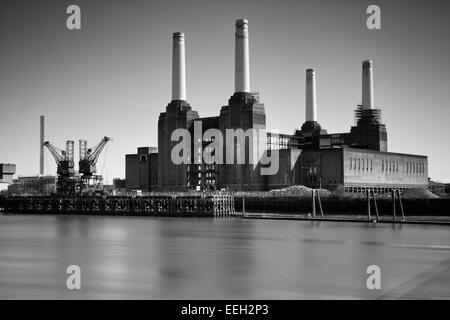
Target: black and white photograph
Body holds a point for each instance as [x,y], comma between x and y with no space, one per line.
[224,154]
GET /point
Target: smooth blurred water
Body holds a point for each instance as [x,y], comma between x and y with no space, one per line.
[202,258]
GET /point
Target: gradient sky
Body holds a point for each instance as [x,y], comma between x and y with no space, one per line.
[113,77]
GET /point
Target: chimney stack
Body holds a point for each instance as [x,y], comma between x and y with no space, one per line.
[41,147]
[242,65]
[311,95]
[367,84]
[178,68]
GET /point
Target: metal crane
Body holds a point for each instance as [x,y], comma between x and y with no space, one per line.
[90,182]
[89,157]
[66,183]
[63,159]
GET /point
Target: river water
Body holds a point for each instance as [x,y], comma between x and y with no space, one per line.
[206,258]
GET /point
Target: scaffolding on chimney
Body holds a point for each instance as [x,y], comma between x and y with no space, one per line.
[367,116]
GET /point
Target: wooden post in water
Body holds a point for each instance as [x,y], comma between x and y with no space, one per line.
[393,205]
[320,203]
[368,204]
[401,205]
[375,205]
[313,209]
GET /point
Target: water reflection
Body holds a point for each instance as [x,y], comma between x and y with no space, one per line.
[159,258]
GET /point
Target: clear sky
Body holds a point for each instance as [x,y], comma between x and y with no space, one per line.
[113,77]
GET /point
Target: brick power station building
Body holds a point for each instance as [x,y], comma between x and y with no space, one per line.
[355,160]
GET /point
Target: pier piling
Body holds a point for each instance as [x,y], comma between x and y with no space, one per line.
[401,205]
[393,205]
[313,209]
[375,205]
[320,204]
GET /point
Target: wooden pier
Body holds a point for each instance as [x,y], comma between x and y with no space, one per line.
[210,205]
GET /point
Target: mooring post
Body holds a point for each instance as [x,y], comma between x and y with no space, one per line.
[320,203]
[401,205]
[375,205]
[313,204]
[233,208]
[368,204]
[393,205]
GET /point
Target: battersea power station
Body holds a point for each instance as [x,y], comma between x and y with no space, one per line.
[353,161]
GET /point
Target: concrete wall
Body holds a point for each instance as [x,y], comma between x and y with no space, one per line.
[141,171]
[179,114]
[242,112]
[153,162]
[289,169]
[322,168]
[382,168]
[131,172]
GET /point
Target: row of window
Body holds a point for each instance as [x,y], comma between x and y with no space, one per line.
[386,166]
[199,168]
[207,174]
[415,168]
[282,141]
[310,166]
[199,182]
[358,164]
[376,190]
[389,166]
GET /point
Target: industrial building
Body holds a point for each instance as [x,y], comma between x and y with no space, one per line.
[141,169]
[33,185]
[355,161]
[7,171]
[25,185]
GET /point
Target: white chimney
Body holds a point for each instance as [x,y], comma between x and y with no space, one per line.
[310,95]
[41,146]
[367,85]
[242,65]
[178,67]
